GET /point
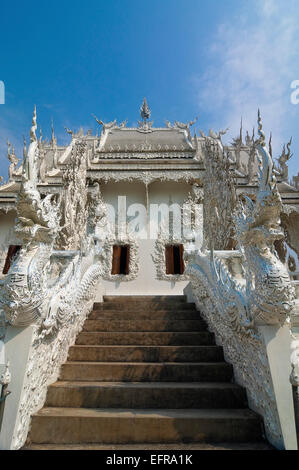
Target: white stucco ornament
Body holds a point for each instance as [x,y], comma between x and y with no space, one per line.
[233,310]
[50,289]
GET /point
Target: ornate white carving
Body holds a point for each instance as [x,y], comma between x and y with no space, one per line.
[166,235]
[159,259]
[243,347]
[149,176]
[74,207]
[232,310]
[107,256]
[283,159]
[13,161]
[51,342]
[52,290]
[37,224]
[145,152]
[219,195]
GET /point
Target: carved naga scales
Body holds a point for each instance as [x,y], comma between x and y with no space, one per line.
[268,296]
[41,282]
[37,224]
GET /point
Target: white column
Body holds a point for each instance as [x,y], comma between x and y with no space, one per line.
[17,348]
[277,342]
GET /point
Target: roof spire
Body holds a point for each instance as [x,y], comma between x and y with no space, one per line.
[261,133]
[24,148]
[34,127]
[241,131]
[53,138]
[145,112]
[270,145]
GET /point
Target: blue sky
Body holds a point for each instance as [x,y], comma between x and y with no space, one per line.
[216,59]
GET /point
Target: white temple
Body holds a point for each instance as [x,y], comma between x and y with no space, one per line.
[131,222]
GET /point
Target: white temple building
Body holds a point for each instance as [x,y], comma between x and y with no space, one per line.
[97,237]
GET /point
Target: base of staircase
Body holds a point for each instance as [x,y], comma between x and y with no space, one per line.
[164,447]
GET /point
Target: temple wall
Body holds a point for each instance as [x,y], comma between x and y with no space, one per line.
[146,282]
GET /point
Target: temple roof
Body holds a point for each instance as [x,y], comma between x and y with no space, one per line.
[122,139]
[145,153]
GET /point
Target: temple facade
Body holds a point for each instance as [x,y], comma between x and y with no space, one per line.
[119,230]
[152,183]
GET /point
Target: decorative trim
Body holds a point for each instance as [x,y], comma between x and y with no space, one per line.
[233,310]
[147,177]
[243,348]
[50,345]
[107,255]
[159,260]
[145,153]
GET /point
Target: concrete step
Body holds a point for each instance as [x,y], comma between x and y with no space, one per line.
[143,306]
[144,325]
[145,298]
[144,371]
[116,353]
[139,314]
[164,447]
[121,426]
[147,371]
[146,338]
[145,395]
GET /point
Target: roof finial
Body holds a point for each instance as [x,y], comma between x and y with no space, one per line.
[24,147]
[270,145]
[145,112]
[8,147]
[260,129]
[34,127]
[53,138]
[241,131]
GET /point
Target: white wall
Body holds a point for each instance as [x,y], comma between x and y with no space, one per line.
[135,192]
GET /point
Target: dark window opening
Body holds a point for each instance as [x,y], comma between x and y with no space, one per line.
[13,250]
[121,259]
[174,259]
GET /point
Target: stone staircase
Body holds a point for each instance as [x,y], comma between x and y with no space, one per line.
[144,371]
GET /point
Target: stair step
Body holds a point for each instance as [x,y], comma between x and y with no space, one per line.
[145,298]
[145,395]
[140,305]
[165,446]
[144,325]
[146,338]
[147,371]
[119,426]
[117,353]
[140,314]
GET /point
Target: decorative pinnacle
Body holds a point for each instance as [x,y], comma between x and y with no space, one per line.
[241,131]
[145,112]
[24,147]
[34,127]
[270,145]
[260,129]
[53,138]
